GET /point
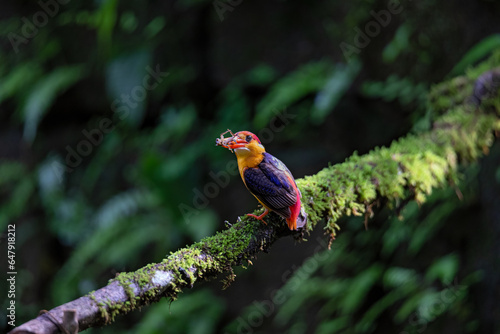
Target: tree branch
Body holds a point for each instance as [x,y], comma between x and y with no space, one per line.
[408,170]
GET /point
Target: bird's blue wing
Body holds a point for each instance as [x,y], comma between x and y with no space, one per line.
[270,182]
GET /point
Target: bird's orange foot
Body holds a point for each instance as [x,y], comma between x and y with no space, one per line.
[261,217]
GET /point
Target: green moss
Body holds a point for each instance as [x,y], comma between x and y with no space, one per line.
[103,312]
[410,169]
[211,255]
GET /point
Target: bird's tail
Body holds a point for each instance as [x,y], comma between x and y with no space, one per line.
[302,218]
[298,220]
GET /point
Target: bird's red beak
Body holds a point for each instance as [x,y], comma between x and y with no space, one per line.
[231,142]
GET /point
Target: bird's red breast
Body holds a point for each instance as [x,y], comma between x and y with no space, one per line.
[266,177]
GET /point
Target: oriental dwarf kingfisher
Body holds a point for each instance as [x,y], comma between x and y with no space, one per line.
[266,177]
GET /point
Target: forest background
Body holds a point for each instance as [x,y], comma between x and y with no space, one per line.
[109,111]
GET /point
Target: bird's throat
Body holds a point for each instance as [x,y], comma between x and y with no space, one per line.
[249,156]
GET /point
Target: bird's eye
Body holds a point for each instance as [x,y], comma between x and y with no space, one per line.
[248,138]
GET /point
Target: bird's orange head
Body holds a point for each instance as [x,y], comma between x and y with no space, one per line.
[246,146]
[242,142]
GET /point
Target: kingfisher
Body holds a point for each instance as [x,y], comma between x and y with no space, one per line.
[266,177]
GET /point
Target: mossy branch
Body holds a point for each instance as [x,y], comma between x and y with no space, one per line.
[468,116]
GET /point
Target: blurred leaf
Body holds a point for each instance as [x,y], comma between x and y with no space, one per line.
[445,269]
[409,306]
[206,307]
[299,289]
[111,246]
[396,88]
[125,85]
[154,27]
[397,276]
[399,44]
[43,95]
[18,200]
[308,79]
[261,75]
[176,123]
[206,224]
[172,169]
[430,224]
[128,21]
[332,326]
[49,182]
[476,53]
[11,171]
[123,205]
[18,187]
[377,308]
[70,219]
[235,109]
[16,81]
[397,234]
[98,166]
[359,287]
[106,21]
[126,244]
[431,305]
[339,82]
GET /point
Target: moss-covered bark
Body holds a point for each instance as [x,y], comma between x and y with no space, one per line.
[466,116]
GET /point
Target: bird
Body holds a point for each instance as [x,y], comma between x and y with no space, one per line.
[266,177]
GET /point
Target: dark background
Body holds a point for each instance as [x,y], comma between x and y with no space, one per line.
[86,207]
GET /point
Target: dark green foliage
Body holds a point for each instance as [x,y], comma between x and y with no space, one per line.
[274,68]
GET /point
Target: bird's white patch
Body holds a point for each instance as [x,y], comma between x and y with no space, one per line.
[279,164]
[162,278]
[241,149]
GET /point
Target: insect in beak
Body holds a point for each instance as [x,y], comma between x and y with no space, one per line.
[231,142]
